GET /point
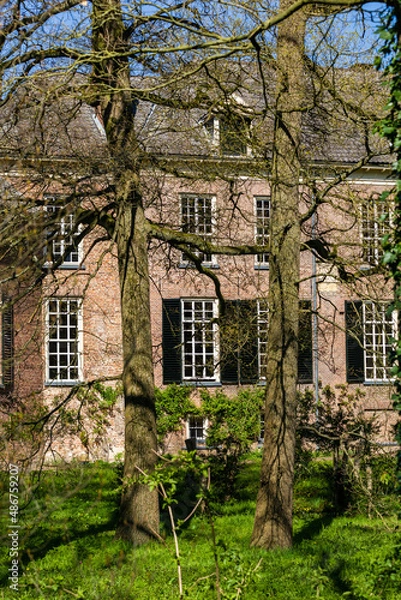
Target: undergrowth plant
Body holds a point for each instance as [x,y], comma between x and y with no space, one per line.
[338,425]
[29,430]
[173,406]
[191,469]
[234,426]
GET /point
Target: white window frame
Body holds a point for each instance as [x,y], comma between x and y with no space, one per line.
[199,331]
[1,346]
[190,429]
[198,227]
[6,339]
[374,228]
[378,330]
[263,323]
[261,437]
[262,222]
[54,343]
[64,226]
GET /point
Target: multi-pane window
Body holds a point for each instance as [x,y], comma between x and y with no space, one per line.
[375,224]
[64,330]
[263,314]
[196,429]
[232,349]
[62,234]
[197,218]
[199,339]
[304,340]
[379,328]
[262,228]
[6,342]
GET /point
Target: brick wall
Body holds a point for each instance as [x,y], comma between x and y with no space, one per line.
[97,283]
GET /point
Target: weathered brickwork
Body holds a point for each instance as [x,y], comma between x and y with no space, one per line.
[95,284]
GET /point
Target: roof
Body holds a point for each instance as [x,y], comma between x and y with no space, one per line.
[45,120]
[48,119]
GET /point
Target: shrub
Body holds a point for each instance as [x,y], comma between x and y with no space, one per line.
[338,424]
[234,425]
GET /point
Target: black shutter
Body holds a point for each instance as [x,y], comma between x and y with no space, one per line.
[171,343]
[229,337]
[248,338]
[354,342]
[7,342]
[305,362]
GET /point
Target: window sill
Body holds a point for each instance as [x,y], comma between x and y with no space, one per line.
[192,266]
[380,382]
[369,266]
[62,383]
[196,383]
[71,267]
[198,448]
[65,267]
[261,267]
[262,382]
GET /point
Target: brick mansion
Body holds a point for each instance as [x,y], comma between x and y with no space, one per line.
[206,173]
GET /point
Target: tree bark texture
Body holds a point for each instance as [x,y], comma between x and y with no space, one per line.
[110,90]
[273,518]
[139,514]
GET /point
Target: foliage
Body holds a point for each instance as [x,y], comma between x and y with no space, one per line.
[92,415]
[85,413]
[234,422]
[336,420]
[166,476]
[173,405]
[390,129]
[183,472]
[71,551]
[234,425]
[338,424]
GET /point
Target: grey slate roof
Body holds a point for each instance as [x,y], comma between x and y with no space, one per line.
[336,128]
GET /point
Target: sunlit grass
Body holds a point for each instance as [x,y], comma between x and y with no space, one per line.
[68,548]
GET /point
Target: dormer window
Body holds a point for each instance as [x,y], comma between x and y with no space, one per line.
[229,133]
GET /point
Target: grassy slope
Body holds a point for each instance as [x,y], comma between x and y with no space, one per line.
[68,550]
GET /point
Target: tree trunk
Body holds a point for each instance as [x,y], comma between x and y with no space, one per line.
[139,514]
[273,518]
[110,90]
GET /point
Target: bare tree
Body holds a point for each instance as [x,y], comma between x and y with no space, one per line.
[104,63]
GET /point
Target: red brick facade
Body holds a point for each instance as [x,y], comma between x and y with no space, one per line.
[94,307]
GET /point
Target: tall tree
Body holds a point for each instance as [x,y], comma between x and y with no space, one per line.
[390,129]
[103,52]
[74,53]
[273,519]
[139,517]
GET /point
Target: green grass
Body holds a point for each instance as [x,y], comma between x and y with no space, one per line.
[68,549]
